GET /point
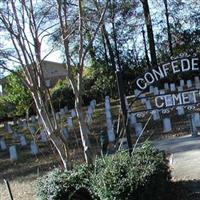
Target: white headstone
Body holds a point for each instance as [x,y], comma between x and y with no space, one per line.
[172,87]
[180,88]
[90,110]
[156,115]
[167,127]
[196,79]
[162,91]
[194,128]
[155,91]
[34,148]
[168,101]
[197,85]
[3,145]
[108,114]
[197,82]
[10,130]
[180,110]
[69,122]
[196,117]
[189,83]
[107,103]
[109,124]
[166,86]
[151,89]
[62,111]
[13,153]
[43,136]
[133,119]
[191,98]
[73,113]
[89,118]
[93,104]
[148,105]
[138,128]
[111,135]
[23,141]
[182,83]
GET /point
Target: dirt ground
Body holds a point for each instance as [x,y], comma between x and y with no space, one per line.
[23,188]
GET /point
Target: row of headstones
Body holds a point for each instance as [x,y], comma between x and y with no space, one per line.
[59,115]
[64,130]
[133,122]
[22,138]
[89,115]
[13,151]
[33,120]
[166,123]
[171,87]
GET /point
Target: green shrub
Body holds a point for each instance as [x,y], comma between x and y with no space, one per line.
[121,177]
[59,185]
[62,95]
[143,176]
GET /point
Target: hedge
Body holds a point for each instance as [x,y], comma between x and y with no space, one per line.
[144,175]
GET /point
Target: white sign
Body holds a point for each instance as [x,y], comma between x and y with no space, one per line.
[182,98]
[175,67]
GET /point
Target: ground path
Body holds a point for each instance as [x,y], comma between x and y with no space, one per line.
[184,159]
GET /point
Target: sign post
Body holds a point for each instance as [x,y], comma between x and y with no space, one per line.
[171,98]
[120,85]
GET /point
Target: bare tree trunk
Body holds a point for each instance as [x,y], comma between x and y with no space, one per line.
[53,134]
[150,35]
[108,44]
[168,28]
[105,50]
[84,131]
[145,48]
[76,81]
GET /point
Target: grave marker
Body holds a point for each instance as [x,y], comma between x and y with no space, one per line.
[166,86]
[172,87]
[167,127]
[43,136]
[69,122]
[3,145]
[189,83]
[138,128]
[34,148]
[13,153]
[23,141]
[73,113]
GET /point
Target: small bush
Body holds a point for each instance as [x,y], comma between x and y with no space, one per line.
[121,177]
[143,176]
[59,185]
